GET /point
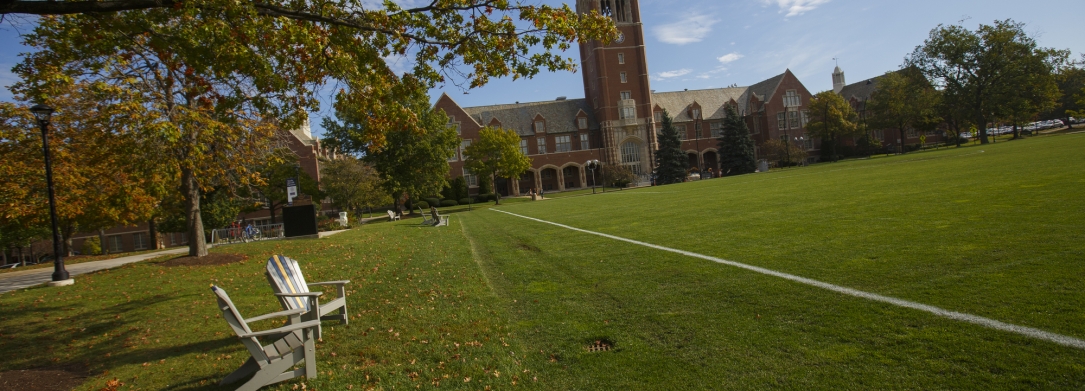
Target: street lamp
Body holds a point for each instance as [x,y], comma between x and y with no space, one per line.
[799,140]
[60,275]
[592,165]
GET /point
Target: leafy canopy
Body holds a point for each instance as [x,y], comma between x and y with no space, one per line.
[496,154]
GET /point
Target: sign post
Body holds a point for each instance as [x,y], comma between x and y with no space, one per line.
[291,191]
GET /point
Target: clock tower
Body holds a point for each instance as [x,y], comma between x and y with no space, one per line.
[616,88]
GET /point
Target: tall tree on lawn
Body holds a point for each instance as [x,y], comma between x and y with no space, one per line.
[496,154]
[736,147]
[671,162]
[904,100]
[831,119]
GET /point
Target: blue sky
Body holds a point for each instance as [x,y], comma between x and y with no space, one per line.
[711,43]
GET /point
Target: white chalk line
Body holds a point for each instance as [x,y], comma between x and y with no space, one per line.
[960,316]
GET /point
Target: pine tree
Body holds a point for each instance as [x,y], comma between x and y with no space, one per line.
[736,147]
[671,162]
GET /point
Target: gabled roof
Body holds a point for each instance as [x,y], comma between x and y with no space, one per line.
[560,115]
[861,90]
[710,100]
[765,89]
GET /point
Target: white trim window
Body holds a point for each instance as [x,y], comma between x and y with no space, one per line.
[452,123]
[791,99]
[658,116]
[781,120]
[625,95]
[631,155]
[681,128]
[912,133]
[697,130]
[463,148]
[805,117]
[540,126]
[115,244]
[562,144]
[793,119]
[584,144]
[627,112]
[581,123]
[139,241]
[523,146]
[696,113]
[716,128]
[622,76]
[621,58]
[541,142]
[470,177]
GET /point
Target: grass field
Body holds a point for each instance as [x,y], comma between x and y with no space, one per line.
[502,301]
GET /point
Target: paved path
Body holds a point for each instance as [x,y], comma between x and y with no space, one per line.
[27,278]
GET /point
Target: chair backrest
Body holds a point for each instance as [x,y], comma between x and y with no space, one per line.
[285,276]
[391,214]
[229,312]
[433,213]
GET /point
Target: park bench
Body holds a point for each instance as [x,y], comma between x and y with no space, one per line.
[392,216]
[271,363]
[290,287]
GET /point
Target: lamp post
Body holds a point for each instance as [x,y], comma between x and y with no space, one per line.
[592,165]
[799,140]
[60,275]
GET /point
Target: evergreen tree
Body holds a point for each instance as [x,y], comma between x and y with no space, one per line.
[736,147]
[671,162]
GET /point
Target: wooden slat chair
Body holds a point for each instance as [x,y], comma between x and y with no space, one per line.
[438,220]
[392,216]
[286,280]
[271,363]
[426,220]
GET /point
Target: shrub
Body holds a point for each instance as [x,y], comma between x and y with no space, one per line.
[425,204]
[432,201]
[459,189]
[485,197]
[91,246]
[449,203]
[465,201]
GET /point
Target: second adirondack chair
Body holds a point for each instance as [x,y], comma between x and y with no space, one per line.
[269,364]
[284,275]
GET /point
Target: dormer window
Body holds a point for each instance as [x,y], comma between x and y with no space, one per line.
[581,123]
[540,126]
[696,113]
[659,116]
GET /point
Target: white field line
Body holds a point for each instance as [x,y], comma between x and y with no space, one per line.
[974,319]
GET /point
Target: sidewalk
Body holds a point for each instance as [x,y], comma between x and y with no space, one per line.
[28,278]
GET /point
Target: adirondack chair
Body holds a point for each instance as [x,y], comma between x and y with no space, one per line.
[438,220]
[290,287]
[392,216]
[271,363]
[426,220]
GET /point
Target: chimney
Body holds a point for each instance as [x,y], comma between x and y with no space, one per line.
[560,98]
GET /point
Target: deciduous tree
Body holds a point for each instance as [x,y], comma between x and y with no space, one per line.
[671,162]
[736,146]
[281,165]
[904,100]
[831,119]
[352,184]
[495,154]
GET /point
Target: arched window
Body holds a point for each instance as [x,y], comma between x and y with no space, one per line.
[631,155]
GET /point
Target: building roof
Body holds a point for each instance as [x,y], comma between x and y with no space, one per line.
[764,90]
[560,115]
[711,101]
[861,90]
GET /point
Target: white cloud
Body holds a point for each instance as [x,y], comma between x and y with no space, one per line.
[796,7]
[671,74]
[692,29]
[729,57]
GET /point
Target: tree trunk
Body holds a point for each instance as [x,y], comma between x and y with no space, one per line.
[493,186]
[101,241]
[981,124]
[4,254]
[153,234]
[1015,131]
[33,257]
[1069,125]
[22,259]
[197,244]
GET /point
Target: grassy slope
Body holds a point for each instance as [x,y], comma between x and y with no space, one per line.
[995,233]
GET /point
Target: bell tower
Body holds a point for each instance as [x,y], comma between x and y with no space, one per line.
[616,87]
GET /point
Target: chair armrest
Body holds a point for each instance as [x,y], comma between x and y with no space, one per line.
[282,330]
[303,294]
[275,315]
[340,282]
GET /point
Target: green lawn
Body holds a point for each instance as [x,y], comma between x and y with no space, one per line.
[496,300]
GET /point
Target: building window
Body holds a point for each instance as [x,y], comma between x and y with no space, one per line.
[781,122]
[658,116]
[540,126]
[808,142]
[139,241]
[115,244]
[879,134]
[523,146]
[562,144]
[463,147]
[581,123]
[696,113]
[584,141]
[622,76]
[625,95]
[716,129]
[805,117]
[631,156]
[756,125]
[696,130]
[793,119]
[470,177]
[542,145]
[912,133]
[621,58]
[681,131]
[627,112]
[791,99]
[452,123]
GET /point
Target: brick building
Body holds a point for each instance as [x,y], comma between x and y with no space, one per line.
[858,95]
[619,117]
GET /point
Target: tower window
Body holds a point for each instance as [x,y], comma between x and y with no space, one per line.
[625,94]
[622,76]
[621,58]
[616,9]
